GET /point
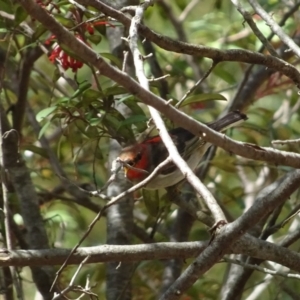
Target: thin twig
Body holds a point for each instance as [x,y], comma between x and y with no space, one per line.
[110,203]
[261,269]
[275,27]
[281,23]
[140,184]
[173,152]
[159,78]
[181,34]
[125,61]
[243,149]
[283,223]
[283,142]
[70,286]
[248,18]
[197,84]
[187,10]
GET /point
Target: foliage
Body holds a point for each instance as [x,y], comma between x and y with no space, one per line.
[73,110]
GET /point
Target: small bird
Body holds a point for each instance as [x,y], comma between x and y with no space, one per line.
[139,160]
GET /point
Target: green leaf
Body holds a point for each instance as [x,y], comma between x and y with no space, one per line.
[45,113]
[7,7]
[92,94]
[86,129]
[151,200]
[43,129]
[39,31]
[225,75]
[138,120]
[150,222]
[63,99]
[20,15]
[98,153]
[127,98]
[132,103]
[226,165]
[202,98]
[112,59]
[115,90]
[67,22]
[82,87]
[95,39]
[94,121]
[113,121]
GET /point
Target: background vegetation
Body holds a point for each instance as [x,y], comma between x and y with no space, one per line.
[66,114]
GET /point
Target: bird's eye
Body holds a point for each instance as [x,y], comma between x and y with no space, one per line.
[138,157]
[130,163]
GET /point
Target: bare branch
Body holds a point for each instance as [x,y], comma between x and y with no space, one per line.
[246,150]
[173,152]
[199,50]
[275,27]
[261,269]
[271,197]
[247,245]
[283,142]
[256,31]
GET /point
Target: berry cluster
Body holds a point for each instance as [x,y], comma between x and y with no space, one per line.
[66,61]
[58,54]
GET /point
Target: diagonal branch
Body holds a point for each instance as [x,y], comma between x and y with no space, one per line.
[247,245]
[275,27]
[249,151]
[173,152]
[248,18]
[270,198]
[199,50]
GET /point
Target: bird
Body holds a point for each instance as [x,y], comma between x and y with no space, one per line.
[140,159]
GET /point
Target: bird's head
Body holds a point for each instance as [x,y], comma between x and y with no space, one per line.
[135,161]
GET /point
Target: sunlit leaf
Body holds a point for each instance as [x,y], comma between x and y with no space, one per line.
[82,87]
[95,39]
[225,75]
[68,22]
[43,129]
[112,58]
[45,113]
[202,98]
[63,100]
[138,120]
[115,90]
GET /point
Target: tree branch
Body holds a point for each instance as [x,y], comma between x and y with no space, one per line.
[275,27]
[249,151]
[271,197]
[199,50]
[169,144]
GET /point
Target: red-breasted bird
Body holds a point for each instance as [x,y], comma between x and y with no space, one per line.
[147,155]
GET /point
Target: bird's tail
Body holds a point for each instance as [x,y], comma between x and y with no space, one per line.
[233,118]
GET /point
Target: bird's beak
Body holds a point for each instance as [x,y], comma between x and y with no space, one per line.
[125,169]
